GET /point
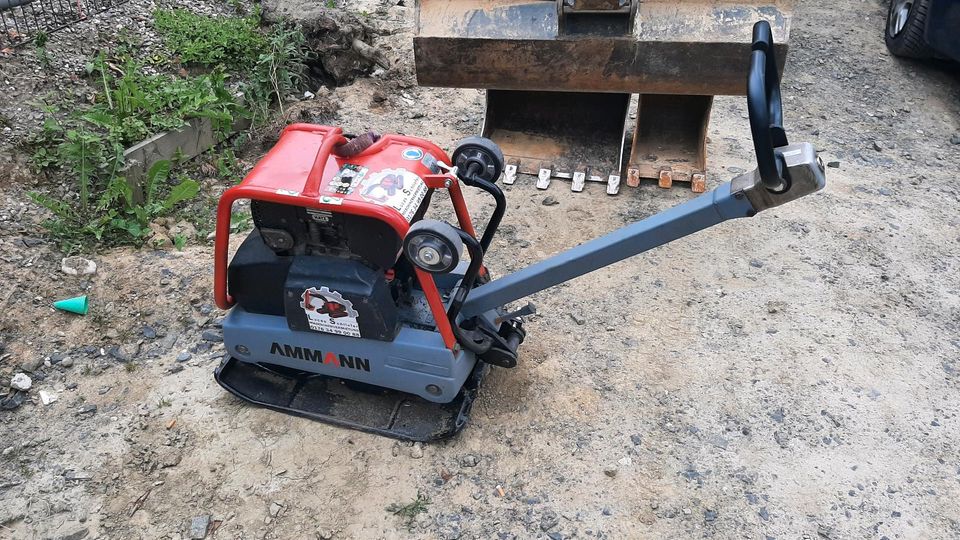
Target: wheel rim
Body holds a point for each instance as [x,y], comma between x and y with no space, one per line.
[899,13]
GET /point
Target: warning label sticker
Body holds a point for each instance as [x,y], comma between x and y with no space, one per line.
[399,189]
[328,311]
[430,162]
[346,180]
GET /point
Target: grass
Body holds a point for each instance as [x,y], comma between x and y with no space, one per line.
[411,510]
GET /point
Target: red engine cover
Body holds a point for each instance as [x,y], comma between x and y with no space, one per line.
[389,173]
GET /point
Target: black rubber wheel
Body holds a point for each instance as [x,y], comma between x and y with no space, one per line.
[480,151]
[906,20]
[434,246]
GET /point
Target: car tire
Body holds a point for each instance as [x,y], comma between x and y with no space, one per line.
[906,20]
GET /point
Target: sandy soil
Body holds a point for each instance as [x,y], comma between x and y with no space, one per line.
[794,375]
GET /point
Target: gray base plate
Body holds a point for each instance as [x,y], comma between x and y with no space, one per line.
[350,404]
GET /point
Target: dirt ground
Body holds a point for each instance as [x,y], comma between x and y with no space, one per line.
[794,375]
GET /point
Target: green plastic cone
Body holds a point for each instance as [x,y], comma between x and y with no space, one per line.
[77,304]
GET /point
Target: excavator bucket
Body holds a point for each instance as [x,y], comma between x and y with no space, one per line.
[560,76]
[558,133]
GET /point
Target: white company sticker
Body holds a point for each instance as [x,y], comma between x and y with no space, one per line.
[328,311]
[399,189]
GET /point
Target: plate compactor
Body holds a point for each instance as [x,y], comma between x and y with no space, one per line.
[349,306]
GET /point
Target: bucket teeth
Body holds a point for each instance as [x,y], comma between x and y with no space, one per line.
[543,178]
[698,182]
[613,184]
[579,179]
[666,178]
[510,174]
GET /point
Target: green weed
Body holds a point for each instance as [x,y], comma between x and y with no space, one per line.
[411,510]
[240,222]
[278,72]
[228,166]
[88,146]
[40,42]
[231,42]
[270,63]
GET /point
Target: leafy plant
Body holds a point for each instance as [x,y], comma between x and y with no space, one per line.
[179,242]
[241,221]
[135,217]
[227,164]
[278,72]
[411,510]
[88,146]
[40,42]
[116,217]
[138,105]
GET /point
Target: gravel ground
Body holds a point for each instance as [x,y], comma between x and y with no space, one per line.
[795,375]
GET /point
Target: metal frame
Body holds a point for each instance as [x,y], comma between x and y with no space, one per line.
[21,20]
[307,194]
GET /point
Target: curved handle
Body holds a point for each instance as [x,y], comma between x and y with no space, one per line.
[766,109]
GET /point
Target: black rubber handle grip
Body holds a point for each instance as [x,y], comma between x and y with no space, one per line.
[766,108]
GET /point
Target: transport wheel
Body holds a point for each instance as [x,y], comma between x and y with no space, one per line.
[478,156]
[433,246]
